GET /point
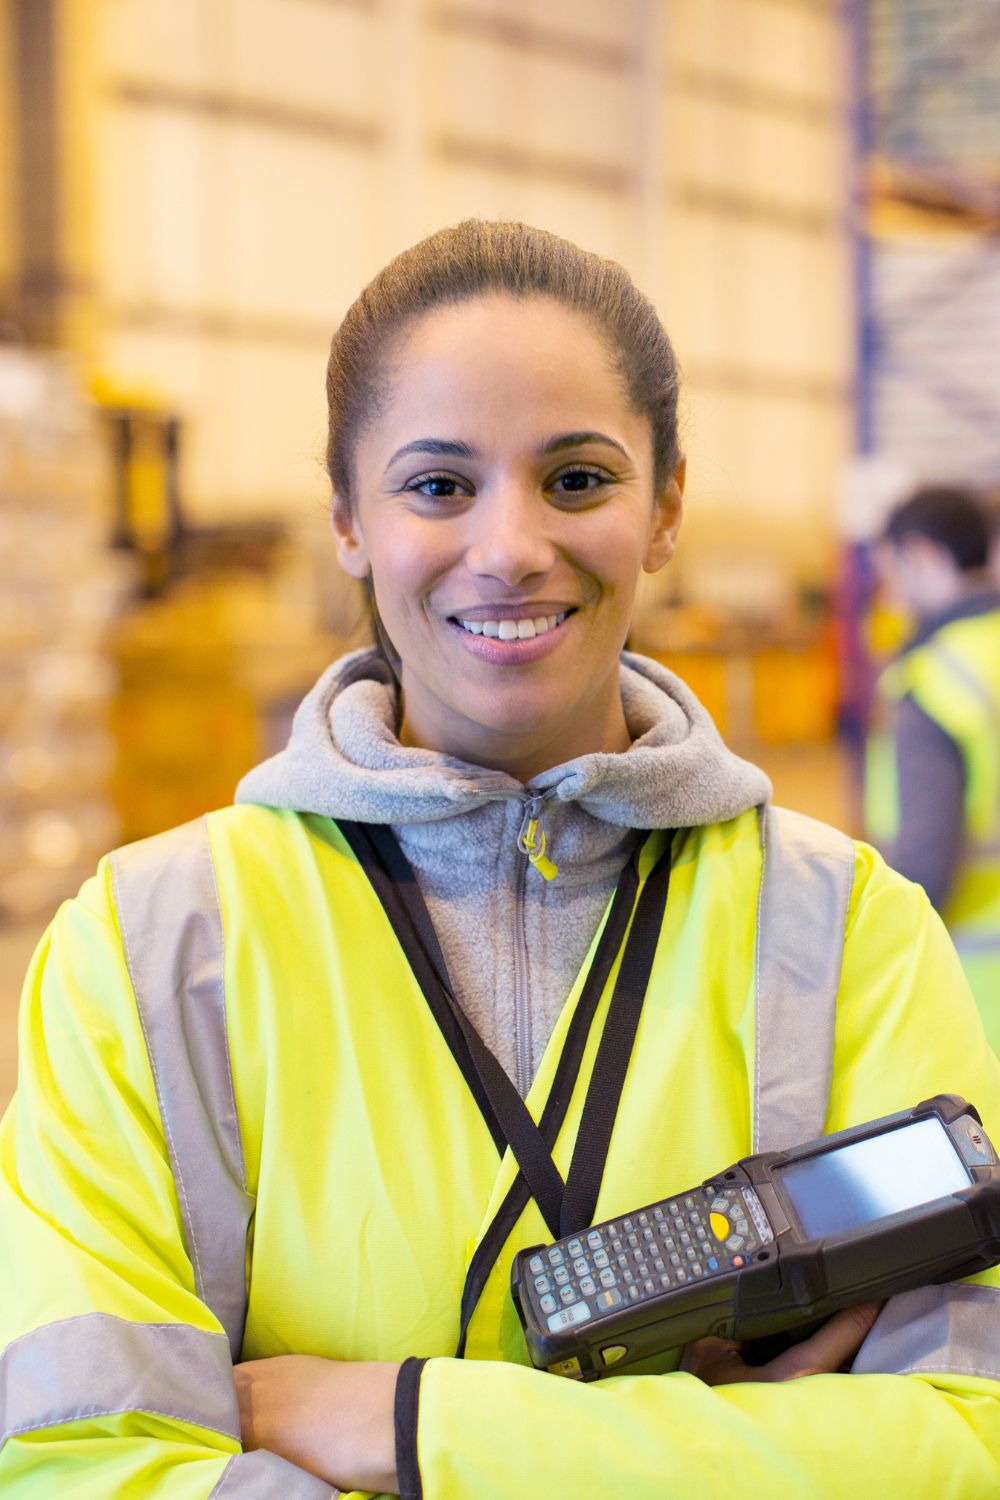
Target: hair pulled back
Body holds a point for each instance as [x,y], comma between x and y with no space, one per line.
[477,258]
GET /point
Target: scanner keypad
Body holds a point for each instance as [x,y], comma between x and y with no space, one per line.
[708,1232]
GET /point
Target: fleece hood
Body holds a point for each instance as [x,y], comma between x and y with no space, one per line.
[344,760]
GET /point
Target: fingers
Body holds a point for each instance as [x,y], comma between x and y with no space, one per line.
[828,1349]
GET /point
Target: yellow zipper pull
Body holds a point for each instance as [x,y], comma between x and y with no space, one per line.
[531,841]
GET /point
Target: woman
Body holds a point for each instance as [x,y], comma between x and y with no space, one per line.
[270,1062]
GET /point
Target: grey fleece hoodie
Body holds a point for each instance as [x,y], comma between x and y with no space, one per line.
[513,941]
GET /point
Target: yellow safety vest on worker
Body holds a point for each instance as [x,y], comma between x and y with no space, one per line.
[241,1131]
[954,677]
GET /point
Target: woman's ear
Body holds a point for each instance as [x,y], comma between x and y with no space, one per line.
[668,507]
[352,554]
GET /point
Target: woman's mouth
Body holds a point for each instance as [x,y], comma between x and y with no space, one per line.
[512,630]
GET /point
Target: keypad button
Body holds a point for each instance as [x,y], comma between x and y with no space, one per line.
[682,1274]
[647,1234]
[689,1202]
[685,1239]
[712,1263]
[556,1256]
[639,1255]
[623,1261]
[536,1265]
[735,1242]
[649,1286]
[574,1248]
[588,1286]
[548,1303]
[561,1275]
[643,1219]
[672,1206]
[568,1294]
[675,1259]
[665,1280]
[696,1218]
[542,1284]
[594,1240]
[633,1240]
[738,1261]
[701,1233]
[691,1253]
[617,1245]
[679,1223]
[657,1214]
[627,1276]
[580,1267]
[634,1294]
[698,1269]
[600,1258]
[567,1317]
[606,1300]
[719,1205]
[658,1264]
[628,1226]
[607,1277]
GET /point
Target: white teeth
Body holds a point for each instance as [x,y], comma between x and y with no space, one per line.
[513,630]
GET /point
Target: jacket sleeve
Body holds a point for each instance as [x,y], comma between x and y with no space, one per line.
[116,1379]
[924,1418]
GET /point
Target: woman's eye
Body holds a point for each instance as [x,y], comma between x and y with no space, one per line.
[436,486]
[578,481]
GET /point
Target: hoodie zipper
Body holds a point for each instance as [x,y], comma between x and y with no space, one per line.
[531,842]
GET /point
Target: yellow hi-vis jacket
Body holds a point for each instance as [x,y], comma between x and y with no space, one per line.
[240,1132]
[954,677]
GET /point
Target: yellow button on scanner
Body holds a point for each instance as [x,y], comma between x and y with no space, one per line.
[720,1226]
[613,1353]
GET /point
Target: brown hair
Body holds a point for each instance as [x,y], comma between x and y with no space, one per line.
[477,258]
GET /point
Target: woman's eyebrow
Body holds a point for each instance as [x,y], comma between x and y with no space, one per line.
[578,439]
[434,448]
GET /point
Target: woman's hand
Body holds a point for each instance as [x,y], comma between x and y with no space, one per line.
[720,1361]
[331,1417]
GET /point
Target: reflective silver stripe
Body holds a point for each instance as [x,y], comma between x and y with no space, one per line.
[961,670]
[938,1329]
[97,1364]
[805,890]
[265,1476]
[168,908]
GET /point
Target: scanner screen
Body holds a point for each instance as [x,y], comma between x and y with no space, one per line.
[869,1179]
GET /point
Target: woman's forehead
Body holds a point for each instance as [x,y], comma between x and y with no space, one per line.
[497,359]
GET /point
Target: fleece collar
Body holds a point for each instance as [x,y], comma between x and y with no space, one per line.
[344,760]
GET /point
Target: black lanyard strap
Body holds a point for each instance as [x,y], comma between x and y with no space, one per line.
[610,1066]
[508,1116]
[600,1110]
[564,1206]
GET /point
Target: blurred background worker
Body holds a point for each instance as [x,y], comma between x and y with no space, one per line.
[933,787]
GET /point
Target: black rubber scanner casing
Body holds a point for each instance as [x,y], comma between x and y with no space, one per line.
[795,1281]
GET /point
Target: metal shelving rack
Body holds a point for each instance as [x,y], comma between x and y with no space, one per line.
[926,246]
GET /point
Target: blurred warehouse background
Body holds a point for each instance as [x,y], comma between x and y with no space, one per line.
[192,192]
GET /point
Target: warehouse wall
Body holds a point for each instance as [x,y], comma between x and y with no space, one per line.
[253,161]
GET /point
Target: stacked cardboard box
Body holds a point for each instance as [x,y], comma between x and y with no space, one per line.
[60,587]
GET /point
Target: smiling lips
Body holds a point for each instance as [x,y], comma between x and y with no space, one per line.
[511,642]
[513,630]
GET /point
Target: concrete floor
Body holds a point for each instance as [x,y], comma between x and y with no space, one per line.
[812,779]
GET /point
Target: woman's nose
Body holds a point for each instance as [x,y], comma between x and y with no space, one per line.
[510,540]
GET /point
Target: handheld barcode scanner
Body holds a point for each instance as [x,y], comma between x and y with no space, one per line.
[777,1240]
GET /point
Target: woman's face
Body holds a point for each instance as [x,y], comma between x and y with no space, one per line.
[505,507]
